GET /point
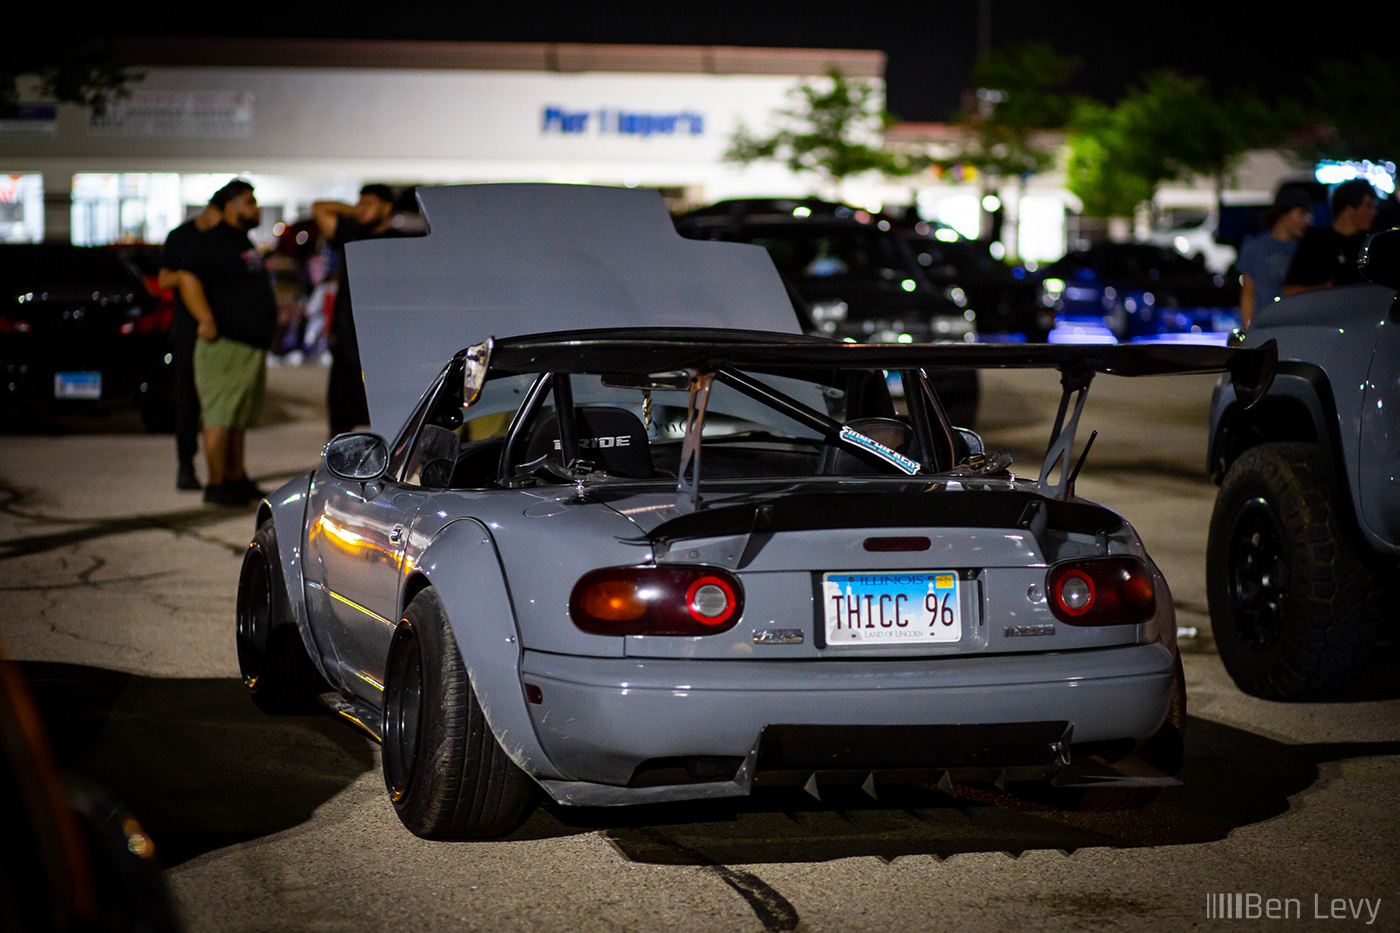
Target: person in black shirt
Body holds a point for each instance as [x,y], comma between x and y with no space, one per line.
[227,289]
[173,258]
[342,223]
[1327,256]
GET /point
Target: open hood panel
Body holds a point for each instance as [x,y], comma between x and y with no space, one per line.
[506,260]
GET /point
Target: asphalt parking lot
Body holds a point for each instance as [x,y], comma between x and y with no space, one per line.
[118,597]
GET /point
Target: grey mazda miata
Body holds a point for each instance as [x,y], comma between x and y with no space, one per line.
[621,558]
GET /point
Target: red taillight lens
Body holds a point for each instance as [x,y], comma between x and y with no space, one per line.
[1102,591]
[656,601]
[710,600]
[151,322]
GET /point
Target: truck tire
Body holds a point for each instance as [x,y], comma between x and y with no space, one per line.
[1291,602]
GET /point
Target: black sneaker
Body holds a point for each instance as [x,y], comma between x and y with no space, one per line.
[185,478]
[246,488]
[224,494]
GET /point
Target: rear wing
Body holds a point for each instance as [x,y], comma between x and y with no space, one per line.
[709,350]
[702,354]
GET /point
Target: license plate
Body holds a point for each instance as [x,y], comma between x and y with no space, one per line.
[77,385]
[868,609]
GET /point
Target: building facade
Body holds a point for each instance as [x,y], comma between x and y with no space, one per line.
[311,119]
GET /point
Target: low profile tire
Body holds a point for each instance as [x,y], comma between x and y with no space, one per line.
[446,774]
[276,669]
[1292,606]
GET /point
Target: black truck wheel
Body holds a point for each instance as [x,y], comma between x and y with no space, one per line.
[447,775]
[1290,598]
[276,669]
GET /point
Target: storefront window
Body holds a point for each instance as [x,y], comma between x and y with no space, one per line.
[125,208]
[22,208]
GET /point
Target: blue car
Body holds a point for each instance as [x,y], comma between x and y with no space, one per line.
[1114,292]
[606,555]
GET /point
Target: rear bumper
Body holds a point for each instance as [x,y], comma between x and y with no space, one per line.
[601,719]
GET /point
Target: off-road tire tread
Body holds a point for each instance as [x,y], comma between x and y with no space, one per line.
[1333,603]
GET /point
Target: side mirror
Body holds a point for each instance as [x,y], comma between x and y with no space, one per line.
[361,457]
[1380,258]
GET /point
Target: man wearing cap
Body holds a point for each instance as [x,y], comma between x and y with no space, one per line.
[1265,256]
[226,287]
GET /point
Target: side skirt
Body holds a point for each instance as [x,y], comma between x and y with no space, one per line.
[356,710]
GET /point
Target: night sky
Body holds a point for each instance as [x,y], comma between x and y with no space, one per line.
[931,45]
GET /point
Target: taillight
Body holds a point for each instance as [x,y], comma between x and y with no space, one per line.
[681,600]
[1102,591]
[149,322]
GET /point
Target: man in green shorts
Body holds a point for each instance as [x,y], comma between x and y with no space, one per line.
[227,289]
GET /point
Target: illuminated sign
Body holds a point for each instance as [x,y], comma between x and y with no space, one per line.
[197,114]
[618,121]
[1381,175]
[29,120]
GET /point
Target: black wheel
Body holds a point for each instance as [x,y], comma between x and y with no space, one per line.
[276,669]
[447,775]
[1290,599]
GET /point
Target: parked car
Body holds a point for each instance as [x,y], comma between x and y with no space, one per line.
[1194,234]
[1002,298]
[640,561]
[1135,290]
[851,275]
[1303,560]
[78,326]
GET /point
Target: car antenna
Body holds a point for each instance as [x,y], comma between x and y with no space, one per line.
[1083,455]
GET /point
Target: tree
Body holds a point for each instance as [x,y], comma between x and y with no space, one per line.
[1357,109]
[832,130]
[1168,127]
[89,73]
[1020,89]
[1100,171]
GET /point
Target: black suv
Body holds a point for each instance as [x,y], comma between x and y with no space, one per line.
[849,276]
[1303,560]
[1004,300]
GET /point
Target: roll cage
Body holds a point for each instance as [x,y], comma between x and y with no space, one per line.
[747,363]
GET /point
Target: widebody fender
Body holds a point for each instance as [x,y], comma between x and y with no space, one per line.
[286,506]
[463,567]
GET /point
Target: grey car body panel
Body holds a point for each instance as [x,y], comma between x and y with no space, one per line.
[286,506]
[600,719]
[465,570]
[1339,356]
[516,259]
[549,537]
